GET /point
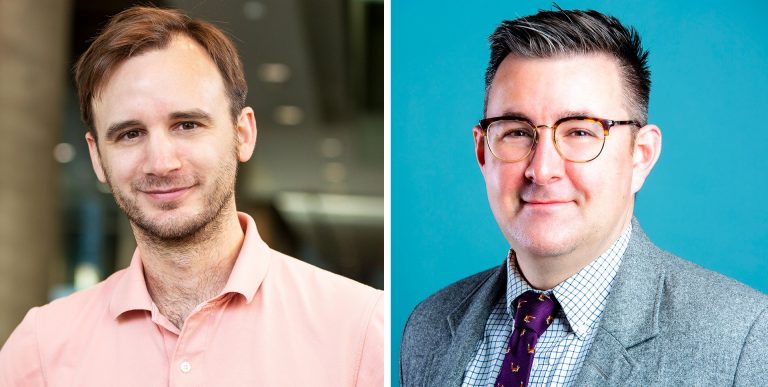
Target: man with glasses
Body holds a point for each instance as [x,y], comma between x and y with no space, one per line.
[583,297]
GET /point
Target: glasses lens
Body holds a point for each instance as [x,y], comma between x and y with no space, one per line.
[510,140]
[580,140]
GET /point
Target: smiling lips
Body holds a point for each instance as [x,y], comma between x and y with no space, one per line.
[167,194]
[545,203]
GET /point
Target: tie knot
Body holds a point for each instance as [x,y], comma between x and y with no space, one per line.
[534,311]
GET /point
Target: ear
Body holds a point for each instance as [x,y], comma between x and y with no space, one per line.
[93,150]
[645,154]
[246,134]
[477,133]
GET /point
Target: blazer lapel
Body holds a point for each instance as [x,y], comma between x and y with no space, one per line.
[467,326]
[630,317]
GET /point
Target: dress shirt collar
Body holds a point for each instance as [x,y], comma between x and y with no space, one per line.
[250,268]
[582,297]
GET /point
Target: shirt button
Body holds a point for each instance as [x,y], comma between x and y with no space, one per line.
[185,366]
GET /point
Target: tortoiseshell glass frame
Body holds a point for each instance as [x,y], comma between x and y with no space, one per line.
[605,123]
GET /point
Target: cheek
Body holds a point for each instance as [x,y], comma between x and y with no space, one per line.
[205,161]
[586,180]
[121,166]
[606,185]
[202,156]
[503,182]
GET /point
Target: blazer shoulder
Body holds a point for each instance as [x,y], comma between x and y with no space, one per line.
[435,308]
[710,291]
[428,323]
[427,326]
[696,300]
[711,322]
[687,291]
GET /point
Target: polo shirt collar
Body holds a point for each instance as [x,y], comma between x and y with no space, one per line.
[248,273]
[252,262]
[131,290]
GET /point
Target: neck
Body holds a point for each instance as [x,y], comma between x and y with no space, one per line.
[544,272]
[183,273]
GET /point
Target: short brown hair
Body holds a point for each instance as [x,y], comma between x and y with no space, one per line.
[139,29]
[561,32]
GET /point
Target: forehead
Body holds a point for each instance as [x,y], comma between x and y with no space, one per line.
[545,88]
[178,77]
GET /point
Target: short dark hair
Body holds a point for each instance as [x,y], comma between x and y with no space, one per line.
[139,29]
[572,32]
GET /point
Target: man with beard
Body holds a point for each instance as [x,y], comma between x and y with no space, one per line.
[205,301]
[582,297]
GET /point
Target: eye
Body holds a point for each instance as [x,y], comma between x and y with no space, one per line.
[510,131]
[576,132]
[188,125]
[129,135]
[513,130]
[518,133]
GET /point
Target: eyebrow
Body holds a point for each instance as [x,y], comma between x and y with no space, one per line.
[194,114]
[576,113]
[113,129]
[560,115]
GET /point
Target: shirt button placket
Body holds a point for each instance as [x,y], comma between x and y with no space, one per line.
[185,366]
[189,349]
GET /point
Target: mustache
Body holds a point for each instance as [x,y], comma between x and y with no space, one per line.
[161,183]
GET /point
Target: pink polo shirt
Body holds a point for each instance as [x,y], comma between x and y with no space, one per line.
[277,322]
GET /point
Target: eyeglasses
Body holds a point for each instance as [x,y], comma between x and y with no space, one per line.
[577,139]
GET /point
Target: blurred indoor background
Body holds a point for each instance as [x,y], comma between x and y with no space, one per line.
[315,185]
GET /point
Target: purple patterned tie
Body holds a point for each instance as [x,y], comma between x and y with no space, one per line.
[533,315]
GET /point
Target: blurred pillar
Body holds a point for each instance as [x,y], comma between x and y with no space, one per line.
[34,39]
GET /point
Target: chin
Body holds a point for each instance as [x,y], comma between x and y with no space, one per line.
[199,227]
[189,217]
[174,225]
[541,241]
[178,222]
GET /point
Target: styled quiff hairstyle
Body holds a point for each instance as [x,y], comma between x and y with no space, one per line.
[550,34]
[140,29]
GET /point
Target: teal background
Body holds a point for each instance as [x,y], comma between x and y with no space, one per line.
[705,199]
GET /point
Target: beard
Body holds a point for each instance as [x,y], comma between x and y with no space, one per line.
[175,228]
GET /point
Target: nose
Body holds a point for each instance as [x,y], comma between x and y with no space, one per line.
[161,155]
[546,165]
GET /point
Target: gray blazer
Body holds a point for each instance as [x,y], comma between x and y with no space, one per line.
[667,322]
